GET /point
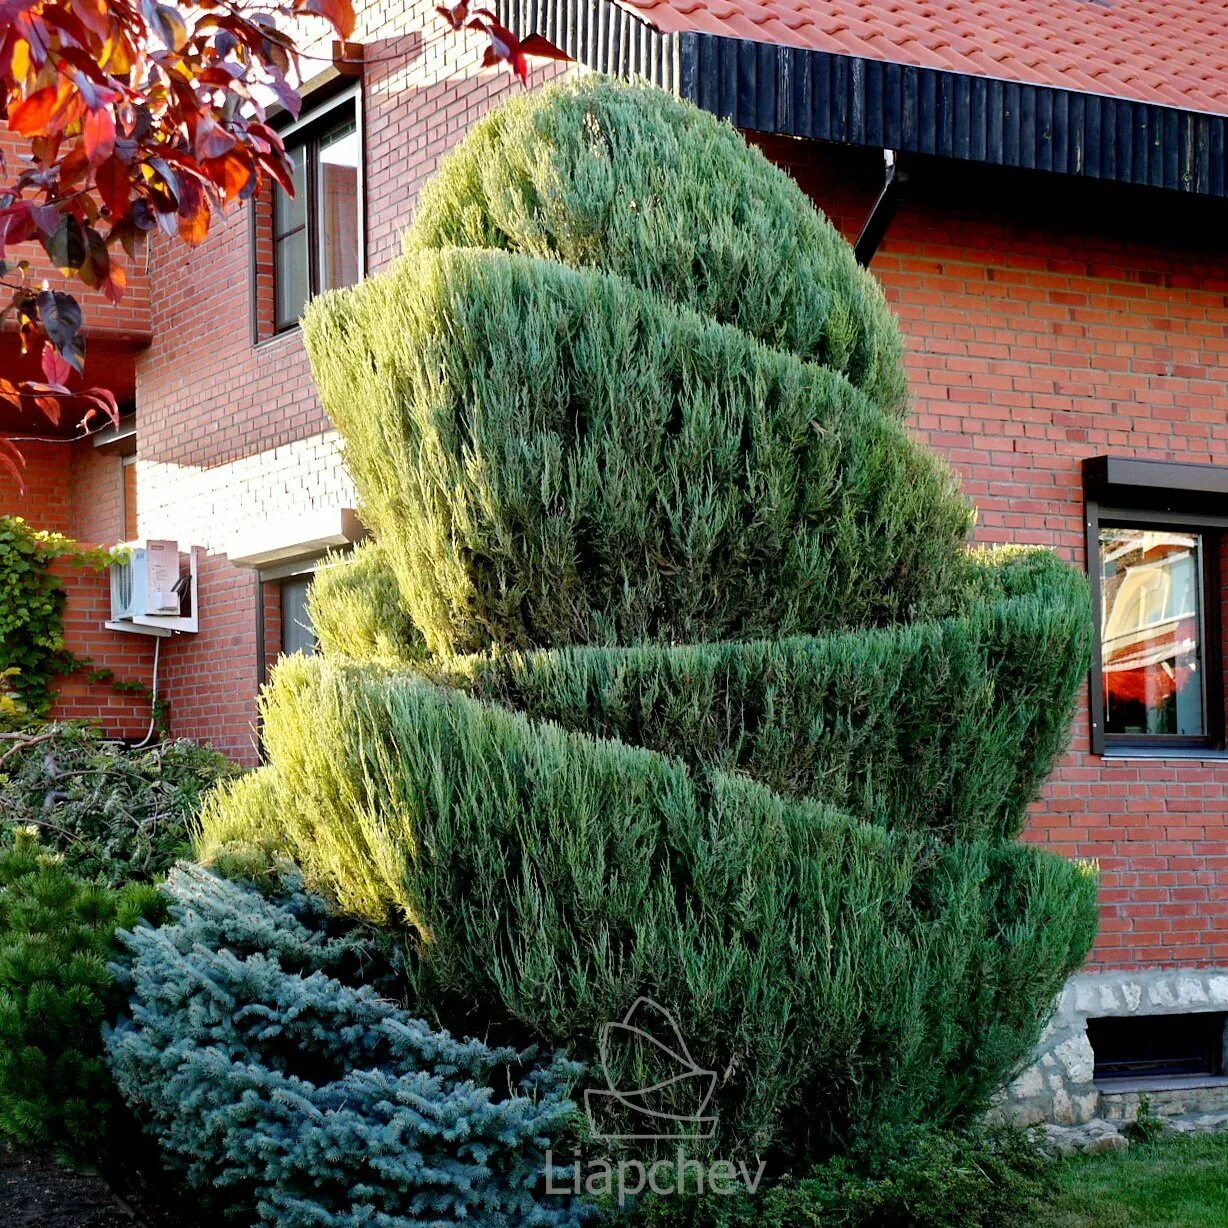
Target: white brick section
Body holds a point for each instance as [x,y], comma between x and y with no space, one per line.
[217,507]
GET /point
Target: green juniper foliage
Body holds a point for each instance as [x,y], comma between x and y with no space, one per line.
[922,1178]
[626,181]
[555,457]
[287,1094]
[845,973]
[356,609]
[948,726]
[704,697]
[114,814]
[57,934]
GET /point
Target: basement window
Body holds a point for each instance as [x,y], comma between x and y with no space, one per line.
[1158,1046]
[297,632]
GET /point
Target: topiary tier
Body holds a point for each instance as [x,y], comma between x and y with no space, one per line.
[671,673]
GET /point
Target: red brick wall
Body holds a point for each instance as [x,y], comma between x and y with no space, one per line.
[46,501]
[1042,328]
[126,658]
[97,500]
[210,679]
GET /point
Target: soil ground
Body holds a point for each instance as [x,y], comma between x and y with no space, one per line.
[39,1193]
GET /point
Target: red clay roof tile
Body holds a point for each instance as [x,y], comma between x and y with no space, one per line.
[1170,52]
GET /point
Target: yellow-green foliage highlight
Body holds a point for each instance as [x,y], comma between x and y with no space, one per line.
[356,609]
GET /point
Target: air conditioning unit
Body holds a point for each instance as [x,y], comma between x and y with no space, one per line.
[146,581]
[148,591]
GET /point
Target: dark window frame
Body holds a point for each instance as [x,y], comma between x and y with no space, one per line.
[322,108]
[1161,495]
[126,462]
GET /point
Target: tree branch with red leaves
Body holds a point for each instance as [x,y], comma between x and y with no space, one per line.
[135,117]
[502,46]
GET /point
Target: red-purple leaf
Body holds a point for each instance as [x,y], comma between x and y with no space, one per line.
[12,461]
[55,368]
[194,213]
[231,174]
[542,49]
[114,186]
[67,246]
[16,225]
[115,284]
[103,399]
[60,316]
[339,13]
[454,14]
[99,136]
[212,140]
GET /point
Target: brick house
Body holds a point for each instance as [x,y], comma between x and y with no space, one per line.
[1041,187]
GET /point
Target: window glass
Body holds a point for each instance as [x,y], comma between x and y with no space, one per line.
[317,231]
[338,206]
[290,242]
[1151,632]
[297,633]
[290,212]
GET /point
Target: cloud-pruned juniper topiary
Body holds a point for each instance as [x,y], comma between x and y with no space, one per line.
[701,694]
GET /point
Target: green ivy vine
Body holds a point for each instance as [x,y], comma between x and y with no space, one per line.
[32,651]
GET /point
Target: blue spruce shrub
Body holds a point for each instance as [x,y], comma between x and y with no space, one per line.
[302,1100]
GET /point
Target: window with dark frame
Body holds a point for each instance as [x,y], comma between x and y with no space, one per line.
[1156,537]
[316,233]
[297,632]
[1187,1046]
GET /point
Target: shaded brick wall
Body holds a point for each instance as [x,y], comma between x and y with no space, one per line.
[46,501]
[74,489]
[125,659]
[1042,328]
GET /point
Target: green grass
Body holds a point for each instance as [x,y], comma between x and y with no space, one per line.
[1177,1183]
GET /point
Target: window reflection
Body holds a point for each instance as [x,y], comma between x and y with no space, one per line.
[338,212]
[1151,633]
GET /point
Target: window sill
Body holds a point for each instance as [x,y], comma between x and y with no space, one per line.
[1183,753]
[1158,1083]
[264,343]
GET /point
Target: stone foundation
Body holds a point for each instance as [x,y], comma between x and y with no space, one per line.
[1058,1086]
